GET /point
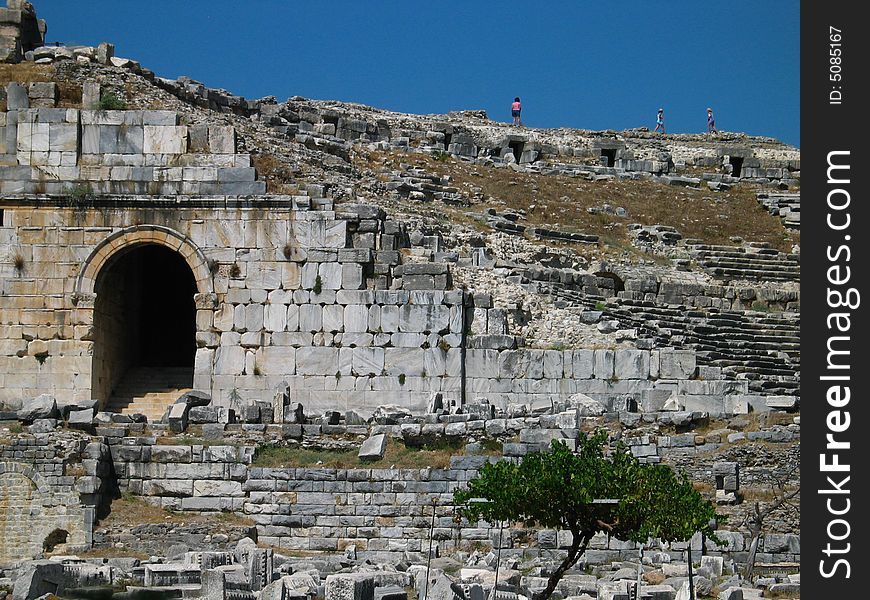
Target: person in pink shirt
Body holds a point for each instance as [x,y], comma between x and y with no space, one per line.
[516,107]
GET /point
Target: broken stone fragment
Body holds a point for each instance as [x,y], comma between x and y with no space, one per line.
[43,406]
[373,448]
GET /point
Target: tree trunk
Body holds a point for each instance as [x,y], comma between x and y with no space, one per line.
[753,550]
[578,547]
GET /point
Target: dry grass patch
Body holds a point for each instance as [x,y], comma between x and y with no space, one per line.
[69,93]
[112,552]
[279,177]
[397,455]
[26,72]
[130,511]
[561,202]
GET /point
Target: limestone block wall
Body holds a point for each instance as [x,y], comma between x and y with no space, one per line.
[20,30]
[310,322]
[78,153]
[49,484]
[382,511]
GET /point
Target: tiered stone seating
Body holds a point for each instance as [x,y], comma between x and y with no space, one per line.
[755,262]
[761,347]
[786,206]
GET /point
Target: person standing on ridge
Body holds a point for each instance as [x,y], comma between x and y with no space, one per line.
[711,122]
[660,121]
[516,108]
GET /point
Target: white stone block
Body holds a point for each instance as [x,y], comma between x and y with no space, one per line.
[280,297]
[165,140]
[352,276]
[553,364]
[239,317]
[478,323]
[291,276]
[250,360]
[345,366]
[403,361]
[407,340]
[389,319]
[317,361]
[423,318]
[374,318]
[333,318]
[275,317]
[368,361]
[309,275]
[221,139]
[33,137]
[631,364]
[276,360]
[481,363]
[63,137]
[356,318]
[677,364]
[456,319]
[211,487]
[292,318]
[330,275]
[435,362]
[310,318]
[204,319]
[603,364]
[254,317]
[229,360]
[321,233]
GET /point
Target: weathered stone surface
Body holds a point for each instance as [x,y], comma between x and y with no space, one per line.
[350,586]
[631,364]
[390,414]
[164,140]
[373,448]
[298,586]
[38,578]
[676,364]
[41,407]
[16,96]
[586,406]
[81,419]
[177,417]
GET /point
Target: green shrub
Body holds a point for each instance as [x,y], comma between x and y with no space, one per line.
[441,155]
[109,101]
[80,196]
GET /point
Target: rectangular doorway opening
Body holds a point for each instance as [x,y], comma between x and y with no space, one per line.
[736,165]
[517,149]
[608,157]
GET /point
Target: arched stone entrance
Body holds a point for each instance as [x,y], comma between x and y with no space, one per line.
[30,512]
[143,281]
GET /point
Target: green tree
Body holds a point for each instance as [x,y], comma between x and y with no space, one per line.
[587,492]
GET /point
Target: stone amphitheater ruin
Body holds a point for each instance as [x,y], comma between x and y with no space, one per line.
[190,280]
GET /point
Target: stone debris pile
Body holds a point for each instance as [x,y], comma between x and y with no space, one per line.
[246,571]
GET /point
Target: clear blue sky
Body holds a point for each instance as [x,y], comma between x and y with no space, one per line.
[592,65]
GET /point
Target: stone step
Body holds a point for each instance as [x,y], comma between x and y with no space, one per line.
[149,390]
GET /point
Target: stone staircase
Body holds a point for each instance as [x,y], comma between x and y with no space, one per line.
[149,390]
